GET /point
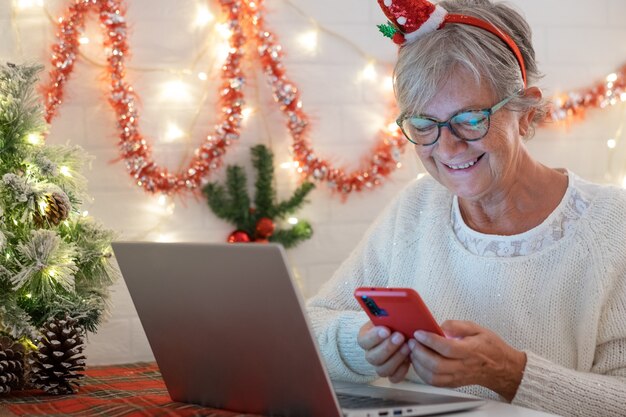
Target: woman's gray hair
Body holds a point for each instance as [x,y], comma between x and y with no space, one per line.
[425,64]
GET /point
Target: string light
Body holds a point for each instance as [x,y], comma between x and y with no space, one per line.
[246,112]
[203,76]
[64,170]
[224,30]
[83,40]
[388,84]
[612,94]
[166,205]
[28,4]
[309,40]
[85,213]
[204,16]
[34,139]
[292,220]
[611,143]
[175,90]
[369,72]
[173,133]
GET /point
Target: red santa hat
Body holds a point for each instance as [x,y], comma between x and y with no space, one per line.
[412,19]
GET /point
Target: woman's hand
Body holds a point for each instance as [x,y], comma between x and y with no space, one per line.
[386,351]
[470,355]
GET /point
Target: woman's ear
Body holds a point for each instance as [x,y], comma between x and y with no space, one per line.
[526,118]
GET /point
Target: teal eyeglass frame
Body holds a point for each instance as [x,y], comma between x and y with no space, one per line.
[486,112]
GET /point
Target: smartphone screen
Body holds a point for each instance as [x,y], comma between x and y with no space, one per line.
[399,309]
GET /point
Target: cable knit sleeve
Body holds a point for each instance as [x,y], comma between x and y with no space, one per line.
[335,315]
[566,392]
[600,392]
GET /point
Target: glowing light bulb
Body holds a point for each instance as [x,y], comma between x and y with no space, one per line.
[221,53]
[611,143]
[34,139]
[246,112]
[223,30]
[85,213]
[29,295]
[166,205]
[388,83]
[611,78]
[164,237]
[393,127]
[27,4]
[65,171]
[369,72]
[204,16]
[203,76]
[173,133]
[175,90]
[286,165]
[308,40]
[83,40]
[292,220]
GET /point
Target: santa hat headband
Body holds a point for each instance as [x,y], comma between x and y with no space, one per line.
[412,19]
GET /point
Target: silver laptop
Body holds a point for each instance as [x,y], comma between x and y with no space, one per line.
[228,330]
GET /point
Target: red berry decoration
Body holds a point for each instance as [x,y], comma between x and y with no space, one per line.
[264,228]
[398,38]
[239,236]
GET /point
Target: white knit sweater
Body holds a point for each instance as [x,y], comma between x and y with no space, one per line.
[564,305]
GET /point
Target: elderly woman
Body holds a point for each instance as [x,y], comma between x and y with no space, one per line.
[524,265]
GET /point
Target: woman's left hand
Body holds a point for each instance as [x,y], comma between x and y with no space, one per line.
[470,355]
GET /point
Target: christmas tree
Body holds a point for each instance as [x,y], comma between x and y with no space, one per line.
[55,267]
[257,223]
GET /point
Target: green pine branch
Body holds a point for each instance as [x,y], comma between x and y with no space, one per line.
[291,237]
[232,202]
[295,202]
[21,113]
[265,194]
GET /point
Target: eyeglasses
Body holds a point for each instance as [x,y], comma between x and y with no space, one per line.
[469,125]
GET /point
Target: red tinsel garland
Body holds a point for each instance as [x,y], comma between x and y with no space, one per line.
[245,20]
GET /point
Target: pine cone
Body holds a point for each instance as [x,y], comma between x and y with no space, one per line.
[55,366]
[57,209]
[11,365]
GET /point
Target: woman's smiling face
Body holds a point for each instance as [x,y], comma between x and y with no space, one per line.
[482,168]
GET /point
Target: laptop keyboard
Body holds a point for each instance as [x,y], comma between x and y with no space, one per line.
[361,401]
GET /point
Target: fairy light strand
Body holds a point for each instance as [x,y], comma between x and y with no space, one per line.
[570,106]
[136,150]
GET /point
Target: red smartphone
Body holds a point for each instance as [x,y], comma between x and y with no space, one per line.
[399,309]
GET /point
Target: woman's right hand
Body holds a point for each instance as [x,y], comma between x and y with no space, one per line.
[386,351]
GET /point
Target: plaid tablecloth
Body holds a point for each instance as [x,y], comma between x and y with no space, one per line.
[123,390]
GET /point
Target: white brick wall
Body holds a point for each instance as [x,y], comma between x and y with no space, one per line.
[577,43]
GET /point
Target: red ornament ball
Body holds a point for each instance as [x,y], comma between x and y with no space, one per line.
[264,227]
[239,236]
